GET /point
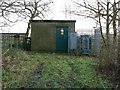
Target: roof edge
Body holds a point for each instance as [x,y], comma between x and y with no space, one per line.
[52,20]
[11,33]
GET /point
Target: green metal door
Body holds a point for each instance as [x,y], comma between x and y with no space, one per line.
[62,39]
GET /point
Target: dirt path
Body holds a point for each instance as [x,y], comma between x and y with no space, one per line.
[33,78]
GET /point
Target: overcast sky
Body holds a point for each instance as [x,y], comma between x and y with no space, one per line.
[58,14]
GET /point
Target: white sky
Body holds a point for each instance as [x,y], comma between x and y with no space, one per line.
[58,14]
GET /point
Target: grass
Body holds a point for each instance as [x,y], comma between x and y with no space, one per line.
[50,70]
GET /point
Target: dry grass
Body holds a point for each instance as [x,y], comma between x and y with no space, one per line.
[108,63]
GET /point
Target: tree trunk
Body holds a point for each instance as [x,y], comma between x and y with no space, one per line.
[28,29]
[114,23]
[107,25]
[119,49]
[118,57]
[107,34]
[99,20]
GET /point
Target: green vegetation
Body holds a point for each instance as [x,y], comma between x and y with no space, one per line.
[50,70]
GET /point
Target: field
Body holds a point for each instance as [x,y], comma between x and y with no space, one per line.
[50,70]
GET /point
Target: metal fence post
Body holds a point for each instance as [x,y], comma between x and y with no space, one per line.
[97,41]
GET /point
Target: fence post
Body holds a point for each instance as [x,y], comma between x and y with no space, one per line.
[97,41]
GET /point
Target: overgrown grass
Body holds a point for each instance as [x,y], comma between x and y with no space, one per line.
[16,66]
[50,70]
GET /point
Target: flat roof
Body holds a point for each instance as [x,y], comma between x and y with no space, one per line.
[60,21]
[13,33]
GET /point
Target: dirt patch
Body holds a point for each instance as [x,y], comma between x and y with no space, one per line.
[31,80]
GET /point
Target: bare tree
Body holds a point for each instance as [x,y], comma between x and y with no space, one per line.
[7,10]
[35,9]
[100,11]
[16,10]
